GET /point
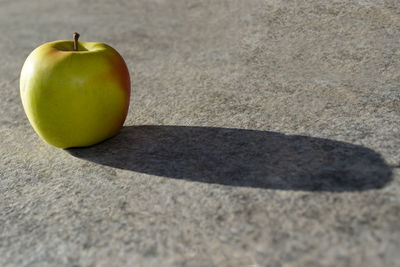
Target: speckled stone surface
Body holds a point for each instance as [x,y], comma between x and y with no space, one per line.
[260,133]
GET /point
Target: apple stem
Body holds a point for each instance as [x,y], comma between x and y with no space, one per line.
[76,37]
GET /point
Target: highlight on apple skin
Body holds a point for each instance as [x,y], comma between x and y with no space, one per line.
[75,94]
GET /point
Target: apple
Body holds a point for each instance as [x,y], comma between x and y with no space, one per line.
[74,93]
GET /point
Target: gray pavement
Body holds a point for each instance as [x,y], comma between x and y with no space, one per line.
[260,133]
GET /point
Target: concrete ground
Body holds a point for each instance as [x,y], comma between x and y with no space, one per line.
[260,133]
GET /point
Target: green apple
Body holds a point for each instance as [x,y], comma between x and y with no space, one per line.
[75,93]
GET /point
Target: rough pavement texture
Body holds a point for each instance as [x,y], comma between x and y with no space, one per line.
[260,133]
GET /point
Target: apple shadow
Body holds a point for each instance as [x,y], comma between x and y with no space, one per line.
[237,157]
